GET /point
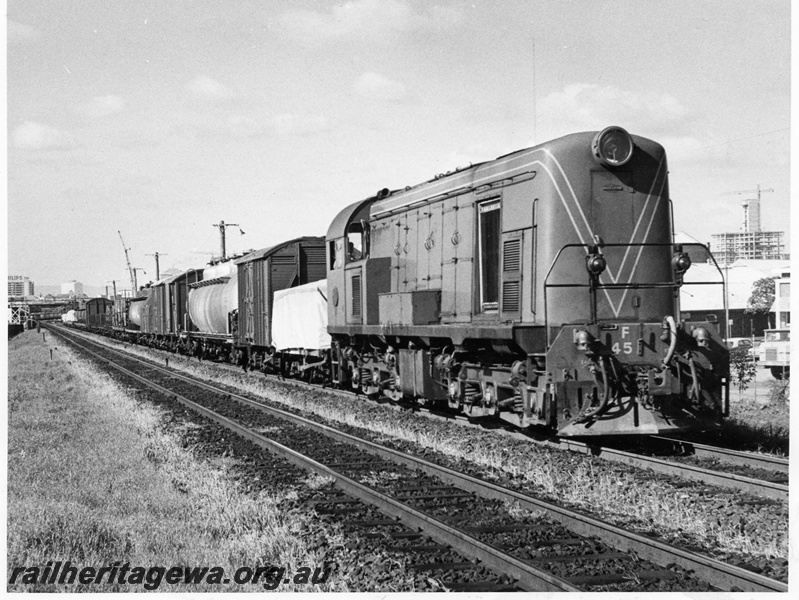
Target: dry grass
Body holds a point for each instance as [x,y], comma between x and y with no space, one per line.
[93,478]
[760,417]
[612,494]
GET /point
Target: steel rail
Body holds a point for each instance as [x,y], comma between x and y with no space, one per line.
[730,480]
[526,576]
[717,573]
[735,457]
[768,489]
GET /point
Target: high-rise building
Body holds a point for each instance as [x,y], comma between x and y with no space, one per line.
[750,245]
[72,287]
[19,285]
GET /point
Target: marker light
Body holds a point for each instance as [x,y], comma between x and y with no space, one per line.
[612,146]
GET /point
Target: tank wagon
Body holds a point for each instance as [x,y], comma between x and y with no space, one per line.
[136,310]
[540,287]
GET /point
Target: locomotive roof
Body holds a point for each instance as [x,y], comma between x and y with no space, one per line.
[266,252]
[460,181]
[339,224]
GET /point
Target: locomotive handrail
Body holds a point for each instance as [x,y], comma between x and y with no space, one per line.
[596,285]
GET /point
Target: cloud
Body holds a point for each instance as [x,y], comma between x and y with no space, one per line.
[206,88]
[368,20]
[37,136]
[18,33]
[586,107]
[103,106]
[378,87]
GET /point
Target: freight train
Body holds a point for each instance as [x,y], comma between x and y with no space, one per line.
[541,288]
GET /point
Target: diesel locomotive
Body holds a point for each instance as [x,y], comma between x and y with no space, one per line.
[541,288]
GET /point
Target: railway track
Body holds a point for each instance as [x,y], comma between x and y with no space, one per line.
[752,460]
[763,475]
[763,482]
[550,548]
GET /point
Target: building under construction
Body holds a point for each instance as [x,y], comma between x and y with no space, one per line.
[750,243]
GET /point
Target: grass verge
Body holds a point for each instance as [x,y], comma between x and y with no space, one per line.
[94,477]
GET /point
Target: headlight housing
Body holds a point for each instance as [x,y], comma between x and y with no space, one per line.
[612,146]
[680,262]
[596,264]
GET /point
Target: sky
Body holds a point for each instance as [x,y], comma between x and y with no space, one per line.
[160,119]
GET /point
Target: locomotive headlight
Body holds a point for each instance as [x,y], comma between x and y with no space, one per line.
[612,146]
[595,263]
[582,339]
[680,262]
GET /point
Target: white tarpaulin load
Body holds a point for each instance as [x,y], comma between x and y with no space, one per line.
[299,317]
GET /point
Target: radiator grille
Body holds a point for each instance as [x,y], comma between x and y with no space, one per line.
[511,299]
[356,297]
[512,255]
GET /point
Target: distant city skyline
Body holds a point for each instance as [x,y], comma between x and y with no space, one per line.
[159,119]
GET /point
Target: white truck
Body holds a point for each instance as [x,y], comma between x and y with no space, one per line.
[775,352]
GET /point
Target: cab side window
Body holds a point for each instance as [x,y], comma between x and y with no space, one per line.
[357,241]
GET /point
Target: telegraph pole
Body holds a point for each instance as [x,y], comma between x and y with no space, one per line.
[135,279]
[222,227]
[157,265]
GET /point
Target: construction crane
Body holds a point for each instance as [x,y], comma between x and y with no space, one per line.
[131,270]
[751,222]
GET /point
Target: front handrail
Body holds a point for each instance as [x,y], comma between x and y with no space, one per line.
[594,284]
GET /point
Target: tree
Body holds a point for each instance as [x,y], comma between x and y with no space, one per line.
[762,297]
[742,369]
